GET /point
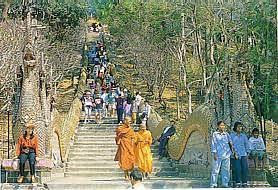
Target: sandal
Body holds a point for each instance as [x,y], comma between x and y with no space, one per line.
[20,179]
[33,179]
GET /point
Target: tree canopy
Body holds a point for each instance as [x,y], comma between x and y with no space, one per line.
[215,33]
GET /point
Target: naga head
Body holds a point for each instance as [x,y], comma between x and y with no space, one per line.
[29,60]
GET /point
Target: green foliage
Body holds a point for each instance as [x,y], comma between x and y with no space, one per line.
[260,23]
[63,16]
[272,176]
[244,32]
[66,14]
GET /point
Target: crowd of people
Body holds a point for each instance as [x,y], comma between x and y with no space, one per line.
[105,97]
[234,148]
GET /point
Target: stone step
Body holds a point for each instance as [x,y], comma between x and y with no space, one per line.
[95,157]
[102,138]
[100,133]
[92,118]
[102,174]
[98,163]
[93,169]
[94,146]
[99,148]
[90,122]
[102,125]
[98,128]
[93,149]
[97,131]
[80,125]
[98,125]
[82,116]
[91,159]
[112,169]
[104,141]
[96,175]
[23,186]
[119,183]
[96,136]
[101,184]
[90,154]
[89,142]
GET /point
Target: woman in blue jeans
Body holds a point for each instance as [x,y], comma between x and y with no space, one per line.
[242,149]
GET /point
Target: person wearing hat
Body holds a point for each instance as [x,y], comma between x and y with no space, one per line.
[27,149]
[168,131]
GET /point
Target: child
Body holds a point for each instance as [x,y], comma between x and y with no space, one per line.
[257,147]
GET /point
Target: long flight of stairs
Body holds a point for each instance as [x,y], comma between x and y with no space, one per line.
[91,163]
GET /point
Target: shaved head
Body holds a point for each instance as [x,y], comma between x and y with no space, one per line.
[128,120]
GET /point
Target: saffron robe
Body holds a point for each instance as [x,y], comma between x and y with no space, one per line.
[125,153]
[142,150]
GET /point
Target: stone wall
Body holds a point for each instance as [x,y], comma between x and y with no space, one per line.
[64,125]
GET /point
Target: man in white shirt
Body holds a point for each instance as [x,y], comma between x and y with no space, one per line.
[138,99]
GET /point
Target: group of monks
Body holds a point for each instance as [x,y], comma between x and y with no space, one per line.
[134,149]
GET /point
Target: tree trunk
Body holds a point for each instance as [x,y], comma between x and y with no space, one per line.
[178,103]
[212,51]
[182,53]
[6,9]
[199,48]
[189,101]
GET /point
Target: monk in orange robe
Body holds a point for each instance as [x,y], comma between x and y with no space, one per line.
[143,155]
[125,141]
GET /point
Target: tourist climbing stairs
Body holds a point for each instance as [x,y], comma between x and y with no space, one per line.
[91,164]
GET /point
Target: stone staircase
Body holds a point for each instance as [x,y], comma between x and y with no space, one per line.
[91,163]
